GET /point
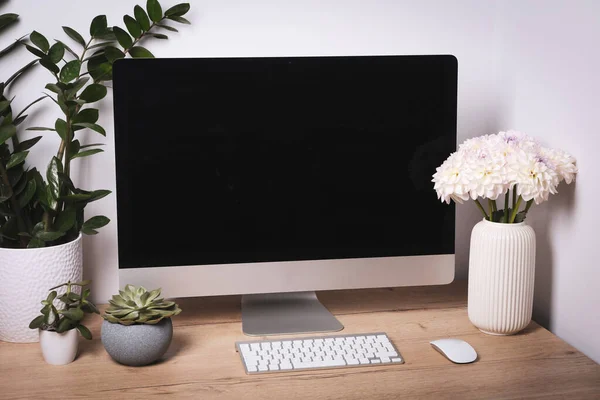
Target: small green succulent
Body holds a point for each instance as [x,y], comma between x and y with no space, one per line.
[136,305]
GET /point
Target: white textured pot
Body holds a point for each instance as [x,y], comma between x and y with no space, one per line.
[501,275]
[59,348]
[25,277]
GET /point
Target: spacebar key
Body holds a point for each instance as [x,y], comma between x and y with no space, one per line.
[319,364]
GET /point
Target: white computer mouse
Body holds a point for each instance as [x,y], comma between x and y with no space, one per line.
[456,350]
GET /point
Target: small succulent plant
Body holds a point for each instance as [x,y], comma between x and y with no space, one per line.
[69,316]
[136,305]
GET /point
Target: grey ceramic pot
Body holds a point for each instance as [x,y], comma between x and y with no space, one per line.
[138,344]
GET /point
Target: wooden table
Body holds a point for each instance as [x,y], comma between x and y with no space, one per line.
[203,364]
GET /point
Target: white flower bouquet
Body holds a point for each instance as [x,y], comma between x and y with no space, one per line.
[502,164]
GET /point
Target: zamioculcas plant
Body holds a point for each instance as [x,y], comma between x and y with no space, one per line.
[37,211]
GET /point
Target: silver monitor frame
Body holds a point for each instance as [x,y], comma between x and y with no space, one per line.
[293,276]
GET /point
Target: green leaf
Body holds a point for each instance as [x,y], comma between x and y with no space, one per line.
[141,17]
[178,10]
[72,149]
[74,314]
[49,65]
[35,51]
[92,145]
[49,236]
[107,34]
[87,153]
[7,19]
[78,84]
[93,93]
[160,36]
[53,88]
[520,217]
[70,71]
[7,132]
[64,325]
[28,193]
[113,54]
[40,41]
[67,48]
[99,25]
[103,44]
[37,322]
[85,332]
[16,159]
[51,296]
[154,10]
[181,20]
[61,128]
[27,144]
[57,52]
[39,128]
[88,231]
[133,26]
[96,222]
[4,105]
[87,115]
[140,52]
[65,220]
[73,34]
[167,27]
[123,37]
[93,127]
[54,168]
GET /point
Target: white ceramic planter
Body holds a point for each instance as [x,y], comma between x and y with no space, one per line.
[59,348]
[501,277]
[25,277]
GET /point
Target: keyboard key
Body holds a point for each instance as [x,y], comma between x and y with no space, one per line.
[396,360]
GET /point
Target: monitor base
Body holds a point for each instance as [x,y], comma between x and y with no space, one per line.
[286,313]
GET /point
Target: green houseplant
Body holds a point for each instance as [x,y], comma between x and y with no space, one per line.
[58,327]
[137,327]
[44,212]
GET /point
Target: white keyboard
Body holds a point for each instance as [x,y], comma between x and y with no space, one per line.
[340,351]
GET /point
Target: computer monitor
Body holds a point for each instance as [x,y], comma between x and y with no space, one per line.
[274,177]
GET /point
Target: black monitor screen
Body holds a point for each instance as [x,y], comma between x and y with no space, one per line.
[242,160]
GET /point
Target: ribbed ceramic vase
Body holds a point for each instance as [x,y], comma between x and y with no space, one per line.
[501,277]
[25,277]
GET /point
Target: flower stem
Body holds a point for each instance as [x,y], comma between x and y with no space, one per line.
[528,206]
[478,204]
[491,206]
[506,204]
[515,210]
[514,196]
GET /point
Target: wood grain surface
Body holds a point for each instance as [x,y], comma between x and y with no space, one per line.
[202,362]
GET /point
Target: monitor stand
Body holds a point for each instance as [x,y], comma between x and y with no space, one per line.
[286,313]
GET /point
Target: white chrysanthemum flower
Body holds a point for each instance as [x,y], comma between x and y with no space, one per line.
[534,178]
[487,174]
[563,163]
[510,141]
[451,179]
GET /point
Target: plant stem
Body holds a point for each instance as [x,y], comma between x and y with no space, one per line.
[478,204]
[514,196]
[491,206]
[85,48]
[14,204]
[515,210]
[506,204]
[528,206]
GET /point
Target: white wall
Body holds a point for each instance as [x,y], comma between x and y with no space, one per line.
[550,67]
[514,58]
